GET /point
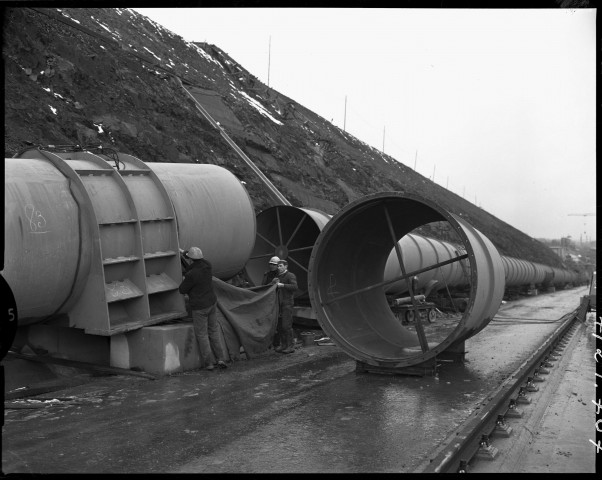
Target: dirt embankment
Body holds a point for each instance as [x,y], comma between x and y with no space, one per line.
[75,76]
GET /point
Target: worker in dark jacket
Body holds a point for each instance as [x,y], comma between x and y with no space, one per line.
[287,285]
[198,285]
[268,277]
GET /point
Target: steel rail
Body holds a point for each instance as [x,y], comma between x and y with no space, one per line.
[460,447]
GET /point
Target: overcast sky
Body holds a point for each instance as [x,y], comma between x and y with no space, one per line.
[497,105]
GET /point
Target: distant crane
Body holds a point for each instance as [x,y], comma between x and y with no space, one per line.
[584,223]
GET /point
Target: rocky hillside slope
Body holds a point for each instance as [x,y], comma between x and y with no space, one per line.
[107,76]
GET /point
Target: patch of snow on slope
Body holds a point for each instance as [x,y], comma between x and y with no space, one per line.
[260,108]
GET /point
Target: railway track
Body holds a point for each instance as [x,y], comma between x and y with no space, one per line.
[474,441]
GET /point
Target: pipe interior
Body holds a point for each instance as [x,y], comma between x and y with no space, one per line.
[350,258]
[289,233]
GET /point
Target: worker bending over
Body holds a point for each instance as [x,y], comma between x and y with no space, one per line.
[198,285]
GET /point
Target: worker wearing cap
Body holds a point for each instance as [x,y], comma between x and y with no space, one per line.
[287,285]
[268,278]
[198,285]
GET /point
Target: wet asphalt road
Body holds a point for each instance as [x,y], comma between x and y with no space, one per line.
[305,412]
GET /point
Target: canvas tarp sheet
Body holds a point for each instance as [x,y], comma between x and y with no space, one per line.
[247,318]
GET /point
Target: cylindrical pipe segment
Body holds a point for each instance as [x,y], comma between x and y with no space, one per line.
[522,272]
[214,212]
[346,284]
[517,272]
[563,277]
[419,252]
[45,242]
[548,275]
[49,238]
[288,233]
[540,273]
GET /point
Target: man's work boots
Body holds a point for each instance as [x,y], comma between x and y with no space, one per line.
[276,342]
[288,342]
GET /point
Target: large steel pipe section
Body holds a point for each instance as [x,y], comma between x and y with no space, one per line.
[214,212]
[346,284]
[517,272]
[419,252]
[563,277]
[100,243]
[539,273]
[289,233]
[45,235]
[524,273]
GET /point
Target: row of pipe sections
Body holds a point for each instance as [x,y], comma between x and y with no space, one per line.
[291,232]
[93,240]
[350,263]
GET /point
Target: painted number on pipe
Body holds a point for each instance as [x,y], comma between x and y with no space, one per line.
[8,322]
[37,222]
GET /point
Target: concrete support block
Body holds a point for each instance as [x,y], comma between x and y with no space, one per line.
[161,349]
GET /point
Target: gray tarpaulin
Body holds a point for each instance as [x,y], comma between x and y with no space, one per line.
[247,318]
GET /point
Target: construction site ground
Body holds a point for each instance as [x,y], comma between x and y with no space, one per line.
[311,412]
